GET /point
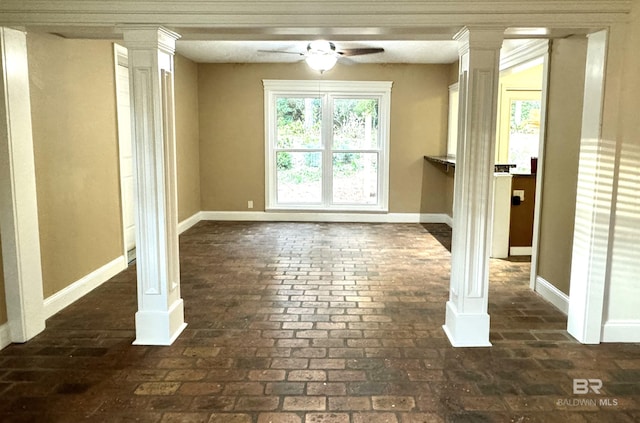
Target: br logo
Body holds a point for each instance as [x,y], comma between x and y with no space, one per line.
[584,386]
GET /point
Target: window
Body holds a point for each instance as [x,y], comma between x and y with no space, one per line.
[327,145]
[518,128]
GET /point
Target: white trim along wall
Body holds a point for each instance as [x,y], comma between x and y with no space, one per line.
[621,331]
[552,294]
[5,335]
[83,286]
[315,217]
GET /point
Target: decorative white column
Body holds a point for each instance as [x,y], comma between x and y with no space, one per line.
[467,320]
[18,199]
[160,316]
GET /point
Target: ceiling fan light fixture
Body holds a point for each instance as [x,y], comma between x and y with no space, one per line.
[321,55]
[321,62]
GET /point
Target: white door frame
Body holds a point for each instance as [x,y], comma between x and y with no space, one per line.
[18,199]
[121,56]
[542,51]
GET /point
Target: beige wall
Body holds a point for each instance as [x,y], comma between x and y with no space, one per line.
[232,131]
[187,137]
[564,120]
[3,301]
[76,156]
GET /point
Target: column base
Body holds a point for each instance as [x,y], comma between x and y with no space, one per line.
[160,327]
[466,329]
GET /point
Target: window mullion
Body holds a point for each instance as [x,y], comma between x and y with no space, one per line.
[327,168]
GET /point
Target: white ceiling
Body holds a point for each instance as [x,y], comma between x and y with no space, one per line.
[214,51]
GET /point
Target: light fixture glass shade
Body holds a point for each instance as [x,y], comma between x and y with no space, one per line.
[321,61]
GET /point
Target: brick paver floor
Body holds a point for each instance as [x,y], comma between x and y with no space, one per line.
[316,323]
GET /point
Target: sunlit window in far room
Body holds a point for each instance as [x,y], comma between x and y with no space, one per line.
[327,149]
[524,132]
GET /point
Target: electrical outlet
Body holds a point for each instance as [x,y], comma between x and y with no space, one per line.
[519,193]
[250,204]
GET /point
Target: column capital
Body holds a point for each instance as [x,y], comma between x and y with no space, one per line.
[480,38]
[143,37]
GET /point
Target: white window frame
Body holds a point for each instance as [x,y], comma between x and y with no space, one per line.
[327,91]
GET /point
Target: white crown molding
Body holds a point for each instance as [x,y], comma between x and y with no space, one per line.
[216,14]
[144,37]
[479,38]
[528,51]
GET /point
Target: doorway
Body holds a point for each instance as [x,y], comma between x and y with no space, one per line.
[125,148]
[518,141]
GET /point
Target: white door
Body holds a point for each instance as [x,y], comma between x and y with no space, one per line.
[126,152]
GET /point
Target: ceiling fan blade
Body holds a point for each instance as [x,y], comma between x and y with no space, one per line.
[281,51]
[360,51]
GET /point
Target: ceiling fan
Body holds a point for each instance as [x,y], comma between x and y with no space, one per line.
[322,55]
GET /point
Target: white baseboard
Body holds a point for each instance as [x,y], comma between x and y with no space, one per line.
[520,251]
[5,335]
[552,294]
[449,220]
[78,289]
[436,218]
[621,331]
[325,217]
[189,222]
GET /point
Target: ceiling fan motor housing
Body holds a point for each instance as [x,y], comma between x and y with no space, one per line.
[321,47]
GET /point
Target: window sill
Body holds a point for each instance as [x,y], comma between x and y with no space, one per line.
[326,211]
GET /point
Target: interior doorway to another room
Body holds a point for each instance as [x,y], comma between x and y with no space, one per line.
[518,141]
[125,147]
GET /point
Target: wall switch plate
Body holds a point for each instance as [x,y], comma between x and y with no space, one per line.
[250,204]
[519,193]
